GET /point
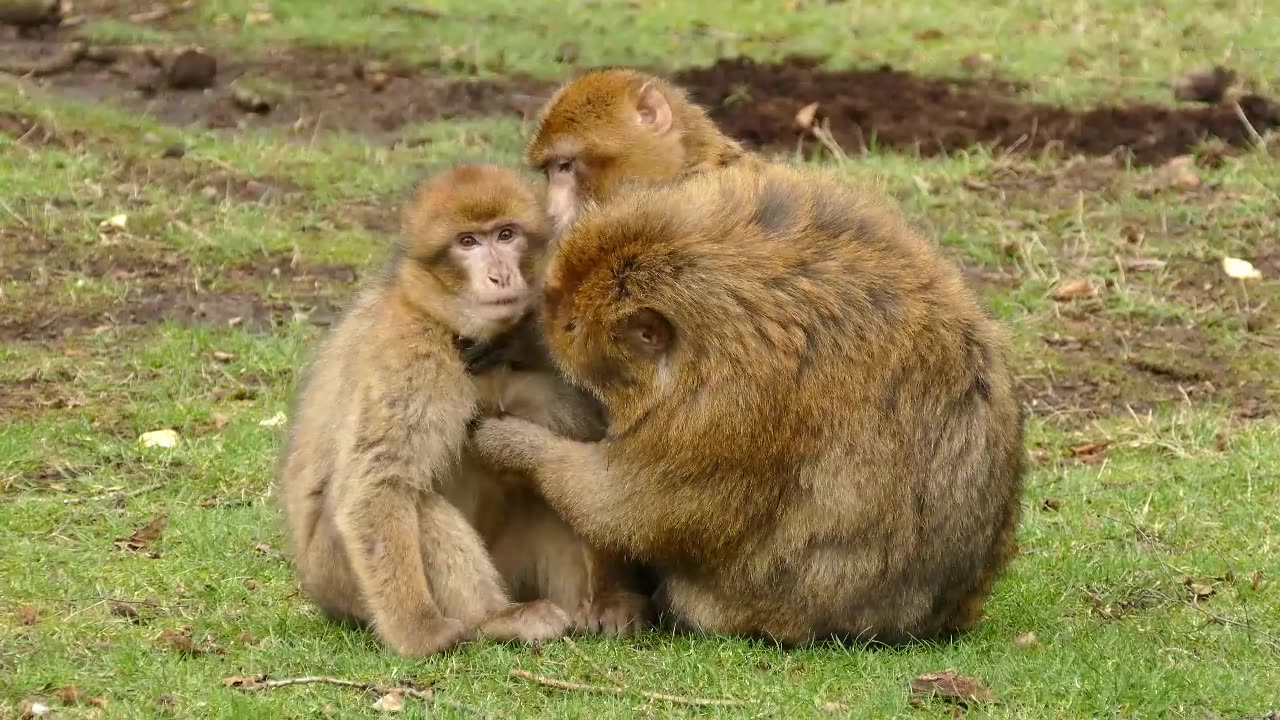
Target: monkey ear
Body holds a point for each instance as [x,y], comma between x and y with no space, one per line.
[648,333]
[653,110]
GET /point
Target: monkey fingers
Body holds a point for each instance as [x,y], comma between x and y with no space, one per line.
[614,612]
[510,443]
[532,622]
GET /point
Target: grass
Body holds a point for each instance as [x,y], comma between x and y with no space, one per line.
[197,316]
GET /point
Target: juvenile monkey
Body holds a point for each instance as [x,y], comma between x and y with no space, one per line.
[391,521]
[610,128]
[812,428]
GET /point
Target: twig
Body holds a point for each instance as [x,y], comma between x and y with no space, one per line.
[1258,142]
[568,641]
[117,493]
[61,61]
[822,132]
[610,690]
[418,10]
[251,684]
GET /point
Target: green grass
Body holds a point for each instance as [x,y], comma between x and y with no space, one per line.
[1183,494]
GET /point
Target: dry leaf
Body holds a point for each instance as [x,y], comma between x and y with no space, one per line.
[128,611]
[178,640]
[145,535]
[950,687]
[69,695]
[1073,289]
[1090,452]
[275,420]
[166,438]
[389,703]
[223,357]
[929,34]
[1025,640]
[1240,269]
[806,115]
[220,421]
[1052,504]
[28,615]
[1199,591]
[113,223]
[244,681]
[833,707]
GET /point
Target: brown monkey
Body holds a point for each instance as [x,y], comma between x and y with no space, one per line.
[812,428]
[390,519]
[610,128]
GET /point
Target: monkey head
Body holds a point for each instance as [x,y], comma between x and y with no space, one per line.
[607,128]
[473,240]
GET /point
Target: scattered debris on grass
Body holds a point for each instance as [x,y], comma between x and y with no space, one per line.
[1025,641]
[256,683]
[1240,269]
[623,690]
[28,615]
[167,438]
[1072,289]
[950,687]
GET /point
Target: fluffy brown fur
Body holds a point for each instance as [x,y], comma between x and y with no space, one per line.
[812,428]
[391,521]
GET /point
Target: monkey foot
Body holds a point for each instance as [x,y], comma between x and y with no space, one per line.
[429,637]
[617,612]
[532,622]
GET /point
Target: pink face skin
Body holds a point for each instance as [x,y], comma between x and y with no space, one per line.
[562,194]
[490,256]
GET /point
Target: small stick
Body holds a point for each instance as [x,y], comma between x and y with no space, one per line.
[117,493]
[568,641]
[609,690]
[250,684]
[1258,142]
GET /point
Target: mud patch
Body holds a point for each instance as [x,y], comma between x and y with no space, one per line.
[892,109]
[1099,370]
[306,90]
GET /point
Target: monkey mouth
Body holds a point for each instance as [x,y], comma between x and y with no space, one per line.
[504,302]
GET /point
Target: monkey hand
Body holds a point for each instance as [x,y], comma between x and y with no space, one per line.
[510,443]
[614,612]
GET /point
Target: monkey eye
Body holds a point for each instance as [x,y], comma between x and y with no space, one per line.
[562,166]
[468,240]
[505,234]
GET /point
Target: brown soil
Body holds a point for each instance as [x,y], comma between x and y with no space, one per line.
[163,287]
[757,103]
[307,90]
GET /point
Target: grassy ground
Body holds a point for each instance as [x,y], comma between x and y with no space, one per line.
[1151,551]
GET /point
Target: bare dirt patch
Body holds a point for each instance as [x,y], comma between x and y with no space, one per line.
[892,109]
[306,90]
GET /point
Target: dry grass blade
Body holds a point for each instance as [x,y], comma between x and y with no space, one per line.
[614,690]
[260,682]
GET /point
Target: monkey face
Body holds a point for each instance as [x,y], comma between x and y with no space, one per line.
[598,133]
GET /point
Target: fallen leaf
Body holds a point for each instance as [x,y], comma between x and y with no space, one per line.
[246,638]
[1052,504]
[128,611]
[929,34]
[145,535]
[1240,269]
[976,62]
[28,615]
[950,687]
[390,703]
[265,549]
[258,15]
[1025,640]
[223,357]
[1091,522]
[220,421]
[33,708]
[167,700]
[275,420]
[1090,452]
[1199,590]
[974,183]
[235,321]
[113,223]
[250,584]
[178,640]
[1206,86]
[1255,582]
[166,438]
[806,115]
[69,695]
[1073,289]
[244,681]
[833,707]
[97,701]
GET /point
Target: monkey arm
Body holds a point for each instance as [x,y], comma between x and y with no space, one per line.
[576,480]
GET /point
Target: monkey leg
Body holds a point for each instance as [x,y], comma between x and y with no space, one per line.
[380,531]
[325,573]
[615,606]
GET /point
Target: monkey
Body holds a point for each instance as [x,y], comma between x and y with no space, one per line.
[609,129]
[812,429]
[392,522]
